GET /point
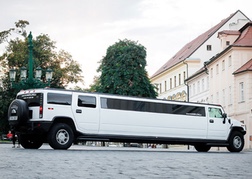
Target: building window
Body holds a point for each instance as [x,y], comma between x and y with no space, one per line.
[160,88]
[230,61]
[230,94]
[179,79]
[209,47]
[203,84]
[223,65]
[217,97]
[242,92]
[190,90]
[184,75]
[170,83]
[193,88]
[198,87]
[165,86]
[175,84]
[227,43]
[207,83]
[217,69]
[211,72]
[223,97]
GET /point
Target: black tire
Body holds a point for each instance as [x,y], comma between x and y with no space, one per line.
[202,147]
[61,136]
[18,112]
[30,141]
[236,142]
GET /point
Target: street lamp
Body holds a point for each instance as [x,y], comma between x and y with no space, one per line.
[12,74]
[23,73]
[49,74]
[38,73]
[30,82]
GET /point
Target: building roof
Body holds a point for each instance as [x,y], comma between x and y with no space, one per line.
[191,47]
[229,32]
[245,38]
[246,67]
[200,71]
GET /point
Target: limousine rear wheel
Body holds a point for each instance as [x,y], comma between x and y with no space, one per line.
[61,136]
[30,141]
[202,147]
[236,142]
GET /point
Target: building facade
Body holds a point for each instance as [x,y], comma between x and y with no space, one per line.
[229,78]
[216,67]
[169,79]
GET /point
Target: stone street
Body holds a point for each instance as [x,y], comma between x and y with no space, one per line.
[121,162]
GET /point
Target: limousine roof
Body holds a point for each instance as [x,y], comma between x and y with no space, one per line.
[112,95]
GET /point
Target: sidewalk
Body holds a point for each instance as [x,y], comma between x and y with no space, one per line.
[5,142]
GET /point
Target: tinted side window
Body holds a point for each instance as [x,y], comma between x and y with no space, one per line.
[87,101]
[188,110]
[131,105]
[121,104]
[56,98]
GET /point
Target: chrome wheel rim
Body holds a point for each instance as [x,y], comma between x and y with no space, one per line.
[62,136]
[237,142]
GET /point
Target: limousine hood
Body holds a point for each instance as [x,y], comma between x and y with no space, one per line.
[236,123]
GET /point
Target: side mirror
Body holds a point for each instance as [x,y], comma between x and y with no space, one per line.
[224,115]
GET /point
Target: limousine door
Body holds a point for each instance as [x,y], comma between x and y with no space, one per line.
[86,112]
[217,126]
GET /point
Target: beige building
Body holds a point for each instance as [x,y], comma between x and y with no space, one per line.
[216,67]
[226,78]
[170,77]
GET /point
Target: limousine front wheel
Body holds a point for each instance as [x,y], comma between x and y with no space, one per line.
[60,136]
[236,142]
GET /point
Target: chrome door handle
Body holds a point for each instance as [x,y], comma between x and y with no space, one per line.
[78,111]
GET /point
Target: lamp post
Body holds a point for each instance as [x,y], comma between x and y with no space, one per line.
[30,82]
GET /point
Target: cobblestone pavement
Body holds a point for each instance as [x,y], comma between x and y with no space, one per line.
[112,162]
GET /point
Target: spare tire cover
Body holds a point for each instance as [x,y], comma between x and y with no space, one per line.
[18,112]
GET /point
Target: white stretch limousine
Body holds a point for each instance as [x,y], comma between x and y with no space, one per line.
[61,117]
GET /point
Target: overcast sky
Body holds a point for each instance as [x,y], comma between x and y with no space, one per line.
[86,28]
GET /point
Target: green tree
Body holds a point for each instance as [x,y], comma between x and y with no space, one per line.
[5,98]
[123,71]
[19,28]
[65,69]
[95,85]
